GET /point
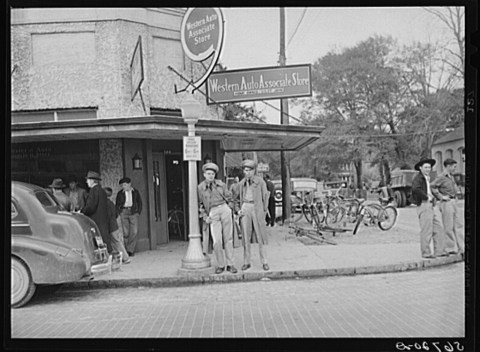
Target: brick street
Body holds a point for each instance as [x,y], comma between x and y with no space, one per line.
[425,303]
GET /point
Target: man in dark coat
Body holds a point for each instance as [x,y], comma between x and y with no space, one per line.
[96,207]
[270,218]
[430,223]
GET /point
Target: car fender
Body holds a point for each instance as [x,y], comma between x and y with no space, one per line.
[64,264]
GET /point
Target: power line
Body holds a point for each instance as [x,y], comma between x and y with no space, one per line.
[298,25]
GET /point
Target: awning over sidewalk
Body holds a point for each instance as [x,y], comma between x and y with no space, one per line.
[233,136]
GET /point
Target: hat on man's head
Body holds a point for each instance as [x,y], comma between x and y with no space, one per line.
[93,175]
[249,163]
[124,180]
[210,166]
[424,161]
[449,162]
[57,183]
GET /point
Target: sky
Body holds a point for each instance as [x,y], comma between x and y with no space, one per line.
[252,35]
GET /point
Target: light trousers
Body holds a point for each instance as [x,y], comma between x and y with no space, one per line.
[247,221]
[221,229]
[452,224]
[430,230]
[130,229]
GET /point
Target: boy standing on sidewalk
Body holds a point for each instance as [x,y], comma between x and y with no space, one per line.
[445,189]
[430,223]
[115,234]
[129,206]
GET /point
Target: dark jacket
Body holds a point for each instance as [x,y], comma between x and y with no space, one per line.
[137,201]
[419,189]
[96,208]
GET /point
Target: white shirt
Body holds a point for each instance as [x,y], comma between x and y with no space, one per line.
[128,199]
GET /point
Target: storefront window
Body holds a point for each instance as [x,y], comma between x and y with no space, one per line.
[39,163]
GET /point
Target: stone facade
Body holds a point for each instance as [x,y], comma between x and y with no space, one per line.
[65,61]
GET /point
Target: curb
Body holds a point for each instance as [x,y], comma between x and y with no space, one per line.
[190,280]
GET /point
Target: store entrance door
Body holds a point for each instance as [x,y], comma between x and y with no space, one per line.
[160,204]
[176,197]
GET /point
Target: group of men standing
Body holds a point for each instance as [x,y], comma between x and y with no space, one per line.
[117,222]
[218,206]
[437,210]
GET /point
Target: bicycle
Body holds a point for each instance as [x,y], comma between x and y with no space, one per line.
[375,214]
[175,221]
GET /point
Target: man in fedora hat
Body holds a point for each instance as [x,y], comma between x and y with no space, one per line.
[96,206]
[445,188]
[129,206]
[57,190]
[430,226]
[251,204]
[77,194]
[213,199]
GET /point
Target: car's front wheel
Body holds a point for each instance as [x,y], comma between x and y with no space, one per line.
[23,286]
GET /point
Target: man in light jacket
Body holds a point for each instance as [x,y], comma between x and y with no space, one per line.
[251,204]
[213,198]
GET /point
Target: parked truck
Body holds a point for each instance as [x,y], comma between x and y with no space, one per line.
[401,185]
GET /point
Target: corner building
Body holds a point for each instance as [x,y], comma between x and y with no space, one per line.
[72,109]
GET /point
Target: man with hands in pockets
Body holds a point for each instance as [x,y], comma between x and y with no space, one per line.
[251,204]
[213,199]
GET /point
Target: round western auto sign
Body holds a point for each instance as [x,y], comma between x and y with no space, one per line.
[202,33]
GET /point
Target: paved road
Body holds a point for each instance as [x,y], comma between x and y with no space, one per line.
[427,303]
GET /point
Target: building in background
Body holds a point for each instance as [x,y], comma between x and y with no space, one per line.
[450,146]
[73,109]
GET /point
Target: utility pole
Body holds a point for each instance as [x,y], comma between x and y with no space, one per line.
[284,157]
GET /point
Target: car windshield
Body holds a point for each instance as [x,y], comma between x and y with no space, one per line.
[45,199]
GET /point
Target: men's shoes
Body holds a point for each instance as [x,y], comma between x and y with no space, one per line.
[128,261]
[266,267]
[219,270]
[232,269]
[245,267]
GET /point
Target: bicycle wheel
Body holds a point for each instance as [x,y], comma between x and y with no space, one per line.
[334,216]
[307,213]
[387,218]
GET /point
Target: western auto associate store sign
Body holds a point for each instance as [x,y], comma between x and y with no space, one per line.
[259,84]
[202,32]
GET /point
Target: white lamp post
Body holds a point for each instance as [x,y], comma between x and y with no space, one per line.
[194,261]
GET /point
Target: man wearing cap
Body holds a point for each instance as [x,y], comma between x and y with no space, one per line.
[251,204]
[430,225]
[77,195]
[96,207]
[213,199]
[129,206]
[445,189]
[57,190]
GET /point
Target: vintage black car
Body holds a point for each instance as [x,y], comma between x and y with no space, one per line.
[49,245]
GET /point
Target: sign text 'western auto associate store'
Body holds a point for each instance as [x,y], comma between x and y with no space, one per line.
[259,84]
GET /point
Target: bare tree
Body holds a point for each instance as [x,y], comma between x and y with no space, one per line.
[454,48]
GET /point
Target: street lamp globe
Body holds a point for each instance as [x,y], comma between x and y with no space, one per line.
[190,109]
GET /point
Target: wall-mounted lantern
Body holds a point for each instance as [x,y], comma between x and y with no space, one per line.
[137,162]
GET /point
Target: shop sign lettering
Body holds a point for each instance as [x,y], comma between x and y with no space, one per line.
[259,84]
